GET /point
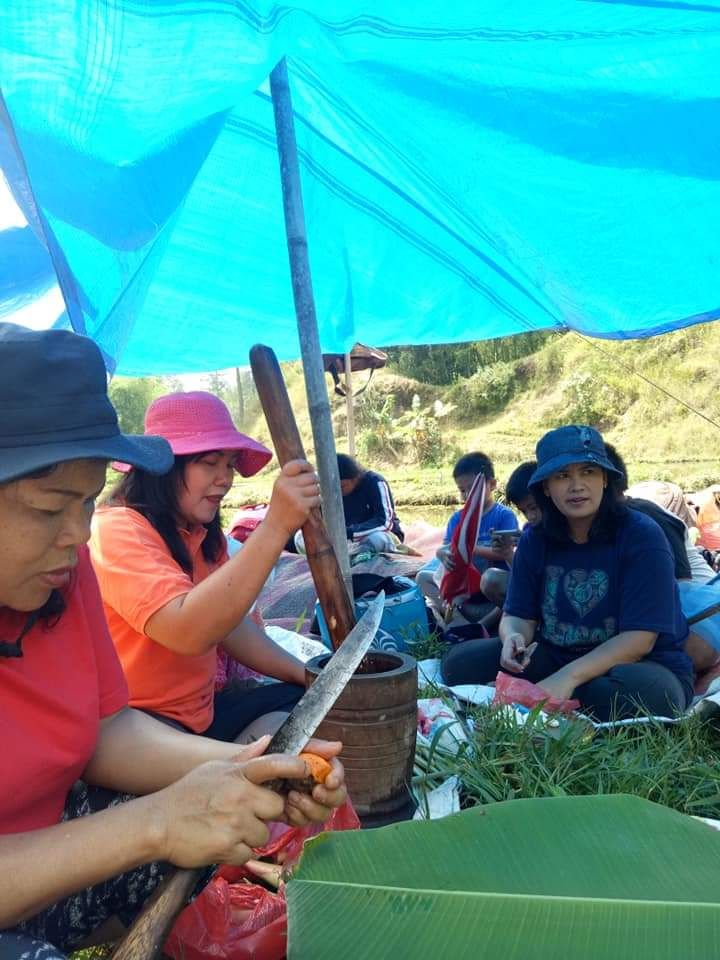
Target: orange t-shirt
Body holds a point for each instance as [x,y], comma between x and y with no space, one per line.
[138,577]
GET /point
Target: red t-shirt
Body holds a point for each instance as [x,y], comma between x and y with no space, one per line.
[51,702]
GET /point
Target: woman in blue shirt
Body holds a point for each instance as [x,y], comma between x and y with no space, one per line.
[592,610]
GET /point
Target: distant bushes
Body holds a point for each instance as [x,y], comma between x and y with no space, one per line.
[444,363]
[414,435]
[587,399]
[489,389]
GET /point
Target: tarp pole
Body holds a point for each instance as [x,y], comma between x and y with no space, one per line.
[350,405]
[315,386]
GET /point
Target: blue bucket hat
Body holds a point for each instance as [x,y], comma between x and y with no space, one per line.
[574,444]
[54,406]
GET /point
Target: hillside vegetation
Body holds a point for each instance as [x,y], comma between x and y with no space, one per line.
[413,430]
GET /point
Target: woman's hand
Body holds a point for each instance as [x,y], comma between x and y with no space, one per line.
[560,684]
[301,808]
[295,492]
[220,810]
[516,653]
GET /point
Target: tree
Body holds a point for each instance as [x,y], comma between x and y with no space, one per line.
[240,398]
[131,396]
[216,383]
[173,385]
[443,364]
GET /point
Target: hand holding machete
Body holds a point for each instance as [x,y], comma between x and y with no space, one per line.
[145,939]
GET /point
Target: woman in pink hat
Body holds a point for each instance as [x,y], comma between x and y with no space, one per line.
[173,596]
[97,799]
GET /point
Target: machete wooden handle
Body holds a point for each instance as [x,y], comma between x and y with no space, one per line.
[145,938]
[324,567]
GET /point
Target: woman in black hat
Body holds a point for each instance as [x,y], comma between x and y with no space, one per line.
[72,750]
[592,610]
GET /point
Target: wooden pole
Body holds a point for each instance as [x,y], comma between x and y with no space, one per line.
[327,577]
[310,349]
[350,405]
[240,398]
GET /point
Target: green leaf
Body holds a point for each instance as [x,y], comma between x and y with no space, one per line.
[593,878]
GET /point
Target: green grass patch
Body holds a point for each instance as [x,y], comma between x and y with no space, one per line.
[675,765]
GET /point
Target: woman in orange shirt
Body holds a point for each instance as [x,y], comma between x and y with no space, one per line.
[75,849]
[172,595]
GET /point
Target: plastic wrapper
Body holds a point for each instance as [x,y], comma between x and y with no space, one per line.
[514,690]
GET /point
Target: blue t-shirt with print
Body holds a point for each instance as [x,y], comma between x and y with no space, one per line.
[583,594]
[498,517]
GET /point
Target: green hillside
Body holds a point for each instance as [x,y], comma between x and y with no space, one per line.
[505,406]
[500,396]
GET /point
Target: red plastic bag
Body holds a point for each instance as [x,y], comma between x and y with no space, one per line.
[247,520]
[510,690]
[237,919]
[231,920]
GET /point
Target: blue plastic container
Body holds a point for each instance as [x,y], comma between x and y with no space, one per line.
[404,620]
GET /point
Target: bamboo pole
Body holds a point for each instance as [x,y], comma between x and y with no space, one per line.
[310,349]
[240,398]
[350,405]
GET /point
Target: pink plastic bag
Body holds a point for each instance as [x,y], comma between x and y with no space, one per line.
[247,520]
[236,919]
[514,690]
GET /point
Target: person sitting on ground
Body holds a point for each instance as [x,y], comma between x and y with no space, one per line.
[496,516]
[673,528]
[592,610]
[75,848]
[494,582]
[702,636]
[173,596]
[368,506]
[671,498]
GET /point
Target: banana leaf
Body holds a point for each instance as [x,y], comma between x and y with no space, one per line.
[596,878]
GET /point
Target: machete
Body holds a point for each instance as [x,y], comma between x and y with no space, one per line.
[144,940]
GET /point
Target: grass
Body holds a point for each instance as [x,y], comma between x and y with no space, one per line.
[100,952]
[672,765]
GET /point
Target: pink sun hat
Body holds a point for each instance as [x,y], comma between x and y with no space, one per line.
[197,422]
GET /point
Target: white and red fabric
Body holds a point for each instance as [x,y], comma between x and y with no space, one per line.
[464,579]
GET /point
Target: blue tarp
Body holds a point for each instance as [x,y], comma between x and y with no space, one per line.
[470,169]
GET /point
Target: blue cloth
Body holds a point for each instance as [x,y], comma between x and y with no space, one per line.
[470,169]
[697,597]
[498,517]
[583,594]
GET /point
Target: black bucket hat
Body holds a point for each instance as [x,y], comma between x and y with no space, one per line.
[54,406]
[573,444]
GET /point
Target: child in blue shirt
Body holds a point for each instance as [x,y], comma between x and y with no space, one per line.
[592,610]
[495,516]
